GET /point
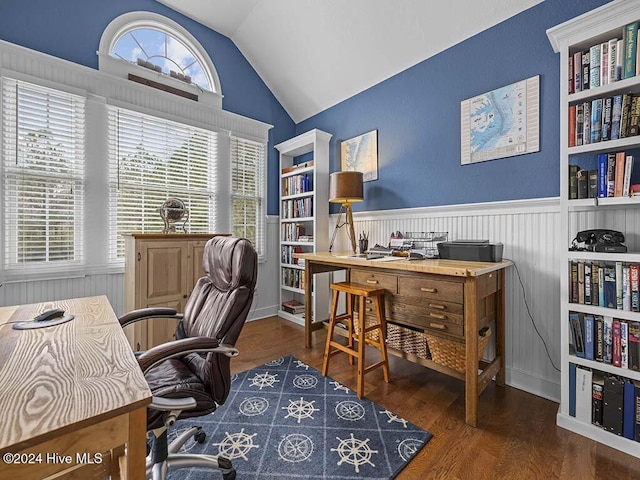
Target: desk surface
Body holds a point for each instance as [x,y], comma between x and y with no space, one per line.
[457,268]
[57,379]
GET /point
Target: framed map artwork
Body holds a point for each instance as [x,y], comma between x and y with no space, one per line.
[502,123]
[360,154]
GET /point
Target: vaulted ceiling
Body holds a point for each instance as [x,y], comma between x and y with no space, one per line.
[313,54]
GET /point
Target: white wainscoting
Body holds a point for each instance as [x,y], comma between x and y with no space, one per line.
[527,228]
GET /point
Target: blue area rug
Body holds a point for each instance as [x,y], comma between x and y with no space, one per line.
[285,420]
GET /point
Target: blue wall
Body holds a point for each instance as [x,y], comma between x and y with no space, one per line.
[71,29]
[417,115]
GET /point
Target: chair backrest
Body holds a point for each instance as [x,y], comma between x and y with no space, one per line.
[218,307]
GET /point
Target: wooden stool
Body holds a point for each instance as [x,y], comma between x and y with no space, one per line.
[358,333]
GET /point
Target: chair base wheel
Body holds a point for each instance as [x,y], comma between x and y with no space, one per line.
[229,476]
[200,436]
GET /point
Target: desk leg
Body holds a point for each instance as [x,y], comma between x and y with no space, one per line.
[471,351]
[308,300]
[134,467]
[500,328]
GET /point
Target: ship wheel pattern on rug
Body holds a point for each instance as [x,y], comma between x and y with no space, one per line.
[284,419]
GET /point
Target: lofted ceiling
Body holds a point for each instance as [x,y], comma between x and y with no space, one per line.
[313,54]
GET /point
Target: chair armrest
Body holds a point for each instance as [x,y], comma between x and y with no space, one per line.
[146,313]
[178,348]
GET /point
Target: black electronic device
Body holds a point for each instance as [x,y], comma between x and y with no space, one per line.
[599,240]
[49,315]
[471,250]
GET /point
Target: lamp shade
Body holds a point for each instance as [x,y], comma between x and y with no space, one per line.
[346,187]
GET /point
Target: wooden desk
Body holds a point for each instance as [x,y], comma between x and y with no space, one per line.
[70,390]
[448,299]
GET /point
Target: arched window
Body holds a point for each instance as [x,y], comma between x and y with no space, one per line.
[159,49]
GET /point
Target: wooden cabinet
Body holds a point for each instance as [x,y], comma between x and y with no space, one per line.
[616,213]
[160,271]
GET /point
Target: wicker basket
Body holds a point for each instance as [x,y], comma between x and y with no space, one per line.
[452,354]
[408,341]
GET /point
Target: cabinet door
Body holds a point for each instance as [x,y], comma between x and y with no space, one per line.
[163,282]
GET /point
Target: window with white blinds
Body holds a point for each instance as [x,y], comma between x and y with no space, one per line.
[43,176]
[247,191]
[150,160]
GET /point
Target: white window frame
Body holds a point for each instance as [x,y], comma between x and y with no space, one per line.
[261,226]
[127,22]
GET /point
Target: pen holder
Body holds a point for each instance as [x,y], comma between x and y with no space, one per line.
[363,245]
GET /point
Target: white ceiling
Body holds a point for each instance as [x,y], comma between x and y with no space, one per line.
[312,54]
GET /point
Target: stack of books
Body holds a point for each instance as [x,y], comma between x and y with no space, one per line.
[293,306]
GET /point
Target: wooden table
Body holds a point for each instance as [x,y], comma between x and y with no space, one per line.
[449,299]
[72,396]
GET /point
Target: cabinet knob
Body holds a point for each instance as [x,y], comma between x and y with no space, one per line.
[372,282]
[428,290]
[437,315]
[184,296]
[139,256]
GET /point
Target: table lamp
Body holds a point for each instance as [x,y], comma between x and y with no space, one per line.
[345,188]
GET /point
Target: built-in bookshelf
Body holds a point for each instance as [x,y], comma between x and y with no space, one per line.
[598,331]
[304,221]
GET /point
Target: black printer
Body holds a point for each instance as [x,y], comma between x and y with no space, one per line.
[471,250]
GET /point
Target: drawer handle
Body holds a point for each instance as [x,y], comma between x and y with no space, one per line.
[439,307]
[372,282]
[439,326]
[439,316]
[428,290]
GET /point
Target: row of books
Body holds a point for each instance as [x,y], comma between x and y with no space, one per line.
[297,184]
[292,277]
[293,232]
[613,285]
[603,119]
[606,339]
[608,401]
[297,208]
[286,254]
[605,62]
[611,178]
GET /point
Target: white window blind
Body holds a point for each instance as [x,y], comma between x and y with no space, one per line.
[152,159]
[43,177]
[247,191]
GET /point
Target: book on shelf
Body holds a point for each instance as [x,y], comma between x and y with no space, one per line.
[615,332]
[626,288]
[588,332]
[594,67]
[293,306]
[584,393]
[607,107]
[626,179]
[619,59]
[582,180]
[628,409]
[633,346]
[613,54]
[602,176]
[618,178]
[607,340]
[619,286]
[612,399]
[630,38]
[580,124]
[599,339]
[624,344]
[575,325]
[634,277]
[616,115]
[636,433]
[596,120]
[604,63]
[586,68]
[572,125]
[596,397]
[572,389]
[586,123]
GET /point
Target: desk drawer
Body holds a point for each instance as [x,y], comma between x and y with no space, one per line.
[429,320]
[431,288]
[384,280]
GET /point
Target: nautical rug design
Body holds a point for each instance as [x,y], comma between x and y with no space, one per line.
[285,420]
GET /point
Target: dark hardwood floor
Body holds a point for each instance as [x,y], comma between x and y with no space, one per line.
[516,437]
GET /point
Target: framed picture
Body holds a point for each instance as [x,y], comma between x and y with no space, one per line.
[360,154]
[501,123]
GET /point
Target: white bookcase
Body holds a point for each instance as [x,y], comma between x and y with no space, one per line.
[304,218]
[618,213]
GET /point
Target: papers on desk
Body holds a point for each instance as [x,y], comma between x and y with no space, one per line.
[387,259]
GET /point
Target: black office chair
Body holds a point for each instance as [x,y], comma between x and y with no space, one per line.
[190,376]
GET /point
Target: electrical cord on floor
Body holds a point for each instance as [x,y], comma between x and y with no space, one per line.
[533,322]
